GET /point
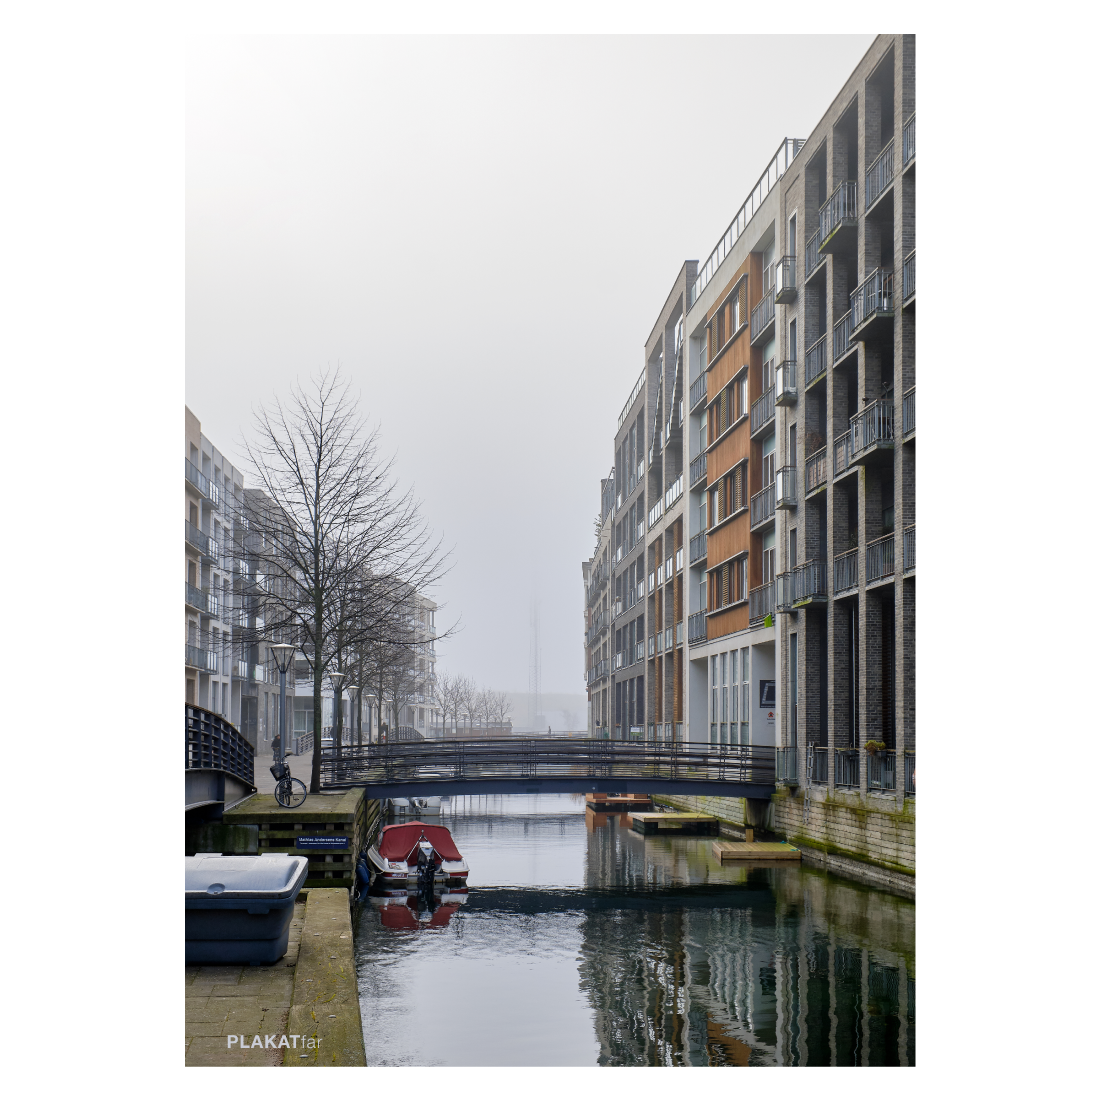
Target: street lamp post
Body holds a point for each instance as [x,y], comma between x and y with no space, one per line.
[337,679]
[284,654]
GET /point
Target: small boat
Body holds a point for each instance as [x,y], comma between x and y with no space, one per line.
[400,805]
[413,852]
[427,807]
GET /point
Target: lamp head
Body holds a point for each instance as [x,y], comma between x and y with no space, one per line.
[283,653]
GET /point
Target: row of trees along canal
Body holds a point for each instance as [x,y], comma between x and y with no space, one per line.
[339,551]
[465,704]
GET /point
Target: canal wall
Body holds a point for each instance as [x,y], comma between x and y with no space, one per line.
[871,840]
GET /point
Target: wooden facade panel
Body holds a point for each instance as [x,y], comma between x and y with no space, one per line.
[728,622]
[733,449]
[731,539]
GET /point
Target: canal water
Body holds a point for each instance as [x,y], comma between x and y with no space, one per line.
[582,943]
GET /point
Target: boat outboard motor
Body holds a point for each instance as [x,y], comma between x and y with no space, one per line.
[425,868]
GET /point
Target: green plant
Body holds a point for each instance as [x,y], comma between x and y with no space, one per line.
[875,746]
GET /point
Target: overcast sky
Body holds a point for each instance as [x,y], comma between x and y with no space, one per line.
[481,233]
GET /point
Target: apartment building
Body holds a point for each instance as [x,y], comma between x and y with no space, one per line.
[596,573]
[797,350]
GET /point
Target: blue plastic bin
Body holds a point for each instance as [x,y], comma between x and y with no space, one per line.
[239,908]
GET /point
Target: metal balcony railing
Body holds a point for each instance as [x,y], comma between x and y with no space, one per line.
[762,506]
[786,288]
[697,550]
[846,571]
[842,337]
[838,208]
[880,175]
[697,627]
[786,383]
[201,482]
[763,314]
[808,582]
[815,358]
[204,601]
[873,297]
[761,602]
[668,638]
[819,765]
[909,141]
[909,411]
[880,558]
[679,633]
[763,411]
[882,771]
[842,454]
[909,276]
[698,391]
[698,470]
[786,765]
[817,470]
[205,660]
[846,768]
[910,774]
[814,258]
[909,548]
[674,492]
[872,426]
[786,487]
[202,542]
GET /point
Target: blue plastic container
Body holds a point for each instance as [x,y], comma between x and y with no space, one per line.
[239,908]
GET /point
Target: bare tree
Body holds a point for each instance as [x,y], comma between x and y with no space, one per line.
[500,707]
[331,527]
[448,694]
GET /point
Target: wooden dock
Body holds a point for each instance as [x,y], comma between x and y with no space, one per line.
[684,824]
[617,803]
[728,851]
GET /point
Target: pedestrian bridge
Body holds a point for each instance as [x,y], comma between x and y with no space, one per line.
[535,765]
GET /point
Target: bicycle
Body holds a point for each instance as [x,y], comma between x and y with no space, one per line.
[289,792]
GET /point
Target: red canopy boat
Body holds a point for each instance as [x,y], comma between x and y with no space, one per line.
[396,854]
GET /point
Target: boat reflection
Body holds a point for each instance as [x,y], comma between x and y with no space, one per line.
[412,910]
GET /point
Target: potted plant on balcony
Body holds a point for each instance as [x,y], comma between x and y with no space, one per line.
[875,747]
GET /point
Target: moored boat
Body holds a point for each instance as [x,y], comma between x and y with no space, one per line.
[415,850]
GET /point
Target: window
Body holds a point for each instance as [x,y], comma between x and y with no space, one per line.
[743,396]
[792,446]
[723,728]
[792,235]
[714,700]
[745,733]
[792,339]
[792,548]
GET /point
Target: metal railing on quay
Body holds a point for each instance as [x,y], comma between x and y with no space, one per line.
[762,505]
[838,208]
[881,174]
[214,744]
[763,314]
[819,765]
[846,570]
[815,358]
[846,768]
[813,257]
[842,336]
[697,627]
[882,771]
[909,276]
[910,774]
[761,602]
[698,470]
[909,547]
[545,757]
[874,424]
[817,470]
[763,410]
[909,140]
[880,558]
[786,765]
[874,295]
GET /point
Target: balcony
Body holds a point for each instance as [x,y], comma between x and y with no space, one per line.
[762,507]
[882,771]
[879,176]
[814,258]
[786,488]
[843,345]
[842,455]
[837,218]
[697,394]
[909,413]
[763,411]
[872,431]
[819,766]
[201,482]
[910,775]
[656,512]
[697,628]
[679,634]
[598,672]
[205,660]
[761,603]
[697,472]
[846,768]
[697,550]
[786,383]
[817,471]
[880,559]
[808,586]
[909,548]
[674,492]
[786,287]
[204,602]
[846,571]
[909,143]
[762,324]
[815,360]
[873,306]
[205,545]
[909,279]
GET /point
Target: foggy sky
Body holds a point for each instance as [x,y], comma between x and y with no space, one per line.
[481,232]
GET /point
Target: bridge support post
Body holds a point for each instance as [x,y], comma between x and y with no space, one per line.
[757,812]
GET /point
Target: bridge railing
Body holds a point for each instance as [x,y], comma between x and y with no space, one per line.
[214,744]
[546,758]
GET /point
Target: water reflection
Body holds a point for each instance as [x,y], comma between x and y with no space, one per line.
[583,943]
